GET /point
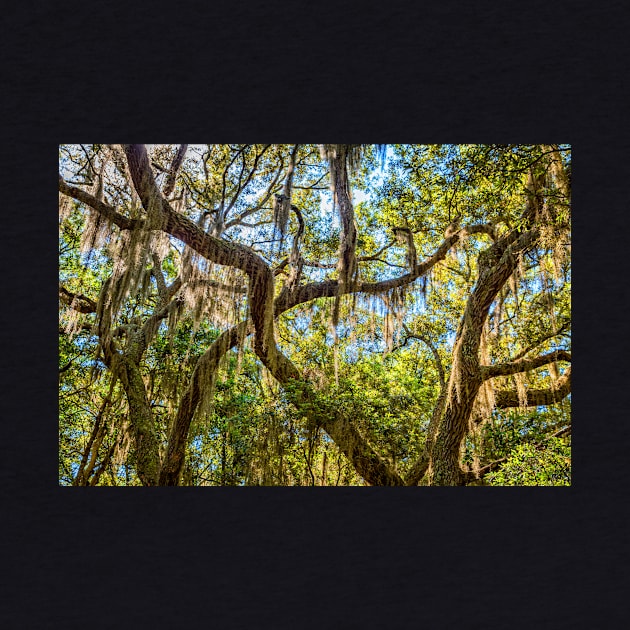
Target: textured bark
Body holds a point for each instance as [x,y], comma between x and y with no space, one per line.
[331,288]
[374,469]
[262,310]
[124,365]
[146,445]
[228,253]
[420,466]
[537,397]
[77,302]
[441,460]
[340,426]
[444,467]
[496,264]
[341,197]
[123,222]
[523,365]
[200,380]
[169,185]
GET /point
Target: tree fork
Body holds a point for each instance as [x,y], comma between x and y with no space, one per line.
[496,264]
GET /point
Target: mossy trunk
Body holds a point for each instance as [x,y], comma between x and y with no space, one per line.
[496,265]
[142,423]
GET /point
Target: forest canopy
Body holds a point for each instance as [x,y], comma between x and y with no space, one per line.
[332,314]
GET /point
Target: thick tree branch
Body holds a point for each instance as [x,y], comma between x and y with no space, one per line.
[158,275]
[240,256]
[523,365]
[169,185]
[262,314]
[142,422]
[536,397]
[331,288]
[496,265]
[499,259]
[214,249]
[201,379]
[76,301]
[123,222]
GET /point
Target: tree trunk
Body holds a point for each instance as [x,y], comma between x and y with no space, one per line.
[496,265]
[143,430]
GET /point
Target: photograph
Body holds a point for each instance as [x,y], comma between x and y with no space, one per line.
[314,315]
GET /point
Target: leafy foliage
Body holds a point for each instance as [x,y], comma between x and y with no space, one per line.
[531,466]
[383,360]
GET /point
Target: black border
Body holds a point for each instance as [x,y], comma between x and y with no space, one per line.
[285,557]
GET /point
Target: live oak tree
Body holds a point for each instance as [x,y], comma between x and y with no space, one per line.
[288,314]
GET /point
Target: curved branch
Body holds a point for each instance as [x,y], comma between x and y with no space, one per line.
[419,468]
[76,301]
[123,222]
[496,264]
[523,365]
[214,249]
[431,346]
[331,288]
[261,285]
[201,378]
[263,200]
[263,309]
[217,251]
[156,270]
[537,342]
[242,186]
[240,256]
[536,397]
[375,255]
[295,259]
[150,327]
